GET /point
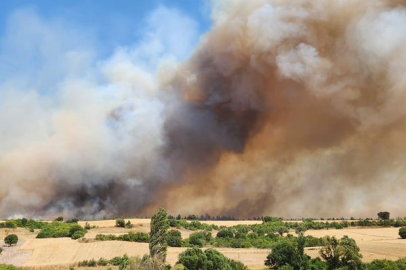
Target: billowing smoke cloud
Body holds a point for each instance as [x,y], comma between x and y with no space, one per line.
[291,108]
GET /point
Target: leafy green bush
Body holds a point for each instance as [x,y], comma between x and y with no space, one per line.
[210,259]
[224,233]
[120,222]
[174,238]
[139,237]
[199,239]
[11,239]
[102,262]
[402,232]
[58,229]
[115,261]
[128,225]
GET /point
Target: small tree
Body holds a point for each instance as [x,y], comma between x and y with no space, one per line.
[158,234]
[120,222]
[284,253]
[128,225]
[59,219]
[402,232]
[282,230]
[11,239]
[174,238]
[341,253]
[384,215]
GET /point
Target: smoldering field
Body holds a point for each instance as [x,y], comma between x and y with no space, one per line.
[294,108]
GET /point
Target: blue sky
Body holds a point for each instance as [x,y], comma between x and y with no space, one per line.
[45,42]
[117,22]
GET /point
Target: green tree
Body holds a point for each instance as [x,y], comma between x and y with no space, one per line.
[174,238]
[384,215]
[11,239]
[193,258]
[341,253]
[158,234]
[120,222]
[402,232]
[59,219]
[282,230]
[283,253]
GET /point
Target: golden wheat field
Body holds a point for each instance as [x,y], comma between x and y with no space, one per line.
[375,243]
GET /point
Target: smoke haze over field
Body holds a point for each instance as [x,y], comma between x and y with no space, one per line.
[290,108]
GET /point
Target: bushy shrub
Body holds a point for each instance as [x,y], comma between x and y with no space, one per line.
[120,222]
[61,229]
[402,232]
[102,262]
[224,233]
[199,239]
[115,261]
[59,219]
[128,225]
[11,239]
[174,238]
[77,235]
[139,237]
[210,259]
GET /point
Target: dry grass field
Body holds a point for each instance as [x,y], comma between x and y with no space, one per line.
[375,243]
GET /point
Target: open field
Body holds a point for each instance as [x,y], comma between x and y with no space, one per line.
[375,243]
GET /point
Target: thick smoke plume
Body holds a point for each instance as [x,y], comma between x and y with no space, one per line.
[291,108]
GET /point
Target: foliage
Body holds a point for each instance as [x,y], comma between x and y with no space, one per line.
[124,262]
[58,229]
[210,259]
[102,262]
[120,222]
[158,234]
[174,238]
[1,250]
[199,239]
[402,232]
[383,215]
[128,225]
[286,254]
[387,265]
[193,225]
[282,230]
[59,219]
[140,237]
[8,267]
[11,239]
[342,252]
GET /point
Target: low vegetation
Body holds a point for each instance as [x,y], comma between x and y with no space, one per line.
[23,223]
[11,239]
[210,259]
[8,267]
[59,229]
[402,232]
[130,237]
